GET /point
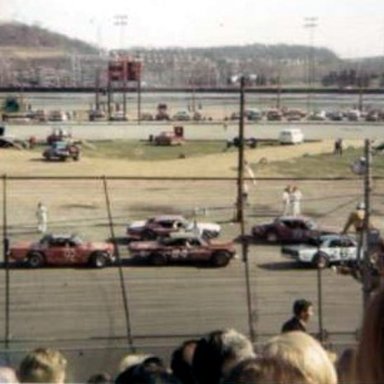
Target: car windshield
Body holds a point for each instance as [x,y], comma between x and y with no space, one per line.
[76,240]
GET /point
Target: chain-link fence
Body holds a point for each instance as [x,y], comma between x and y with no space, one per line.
[106,313]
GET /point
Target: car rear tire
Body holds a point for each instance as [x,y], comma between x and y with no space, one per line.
[35,260]
[271,237]
[220,259]
[158,260]
[321,261]
[99,260]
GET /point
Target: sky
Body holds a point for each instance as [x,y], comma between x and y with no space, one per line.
[351,28]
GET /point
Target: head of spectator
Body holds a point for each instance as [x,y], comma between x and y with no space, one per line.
[43,365]
[345,366]
[7,375]
[262,370]
[301,359]
[150,371]
[131,360]
[303,309]
[217,353]
[181,361]
[100,378]
[369,357]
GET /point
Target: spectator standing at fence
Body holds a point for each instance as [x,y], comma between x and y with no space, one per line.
[42,217]
[286,199]
[43,365]
[302,313]
[295,199]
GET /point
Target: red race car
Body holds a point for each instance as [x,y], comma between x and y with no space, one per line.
[183,247]
[62,250]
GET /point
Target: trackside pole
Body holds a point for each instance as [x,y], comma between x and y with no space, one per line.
[119,264]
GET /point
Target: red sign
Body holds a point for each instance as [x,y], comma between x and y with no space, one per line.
[124,70]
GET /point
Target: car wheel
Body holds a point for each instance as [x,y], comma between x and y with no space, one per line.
[271,237]
[321,260]
[35,260]
[158,259]
[99,260]
[220,259]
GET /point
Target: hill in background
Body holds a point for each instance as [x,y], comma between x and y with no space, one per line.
[33,56]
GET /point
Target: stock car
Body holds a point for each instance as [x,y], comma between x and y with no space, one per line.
[288,229]
[323,251]
[182,247]
[62,249]
[163,225]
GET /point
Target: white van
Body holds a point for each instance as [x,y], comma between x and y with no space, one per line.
[291,136]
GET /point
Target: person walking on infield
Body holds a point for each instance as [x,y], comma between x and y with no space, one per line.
[295,199]
[302,312]
[42,217]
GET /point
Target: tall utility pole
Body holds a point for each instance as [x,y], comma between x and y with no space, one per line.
[240,175]
[366,270]
[310,23]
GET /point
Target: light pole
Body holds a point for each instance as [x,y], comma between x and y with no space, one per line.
[121,21]
[310,23]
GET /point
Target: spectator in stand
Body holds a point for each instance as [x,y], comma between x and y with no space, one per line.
[43,365]
[100,378]
[302,313]
[217,353]
[345,366]
[181,362]
[369,358]
[290,358]
[150,371]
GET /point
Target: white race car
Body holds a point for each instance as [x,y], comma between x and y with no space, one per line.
[323,251]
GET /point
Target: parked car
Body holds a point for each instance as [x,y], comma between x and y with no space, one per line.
[96,114]
[118,116]
[253,114]
[318,116]
[288,229]
[57,115]
[274,115]
[294,114]
[291,136]
[62,150]
[164,225]
[62,249]
[323,251]
[168,138]
[183,247]
[182,116]
[250,142]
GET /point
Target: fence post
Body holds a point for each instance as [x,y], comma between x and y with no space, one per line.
[6,262]
[121,275]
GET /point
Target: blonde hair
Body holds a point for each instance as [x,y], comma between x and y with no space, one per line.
[303,358]
[43,365]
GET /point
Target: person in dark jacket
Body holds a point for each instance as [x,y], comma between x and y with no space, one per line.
[302,312]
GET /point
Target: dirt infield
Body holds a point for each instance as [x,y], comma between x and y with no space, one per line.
[25,163]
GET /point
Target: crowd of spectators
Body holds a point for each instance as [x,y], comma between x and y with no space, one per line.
[228,357]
